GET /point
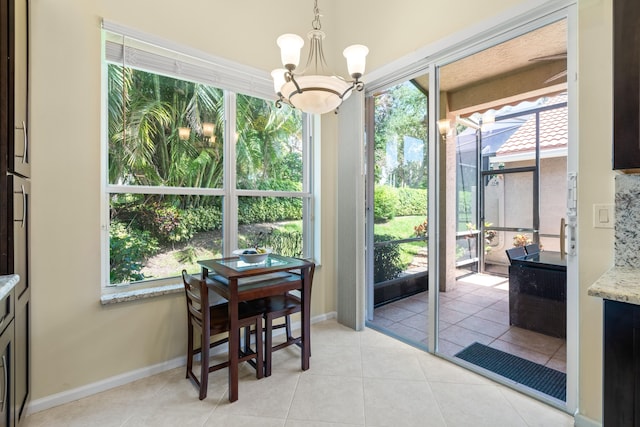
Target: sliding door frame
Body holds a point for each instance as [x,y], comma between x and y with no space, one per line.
[433,59]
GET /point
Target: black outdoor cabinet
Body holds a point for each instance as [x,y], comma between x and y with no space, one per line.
[621,364]
[538,293]
[626,84]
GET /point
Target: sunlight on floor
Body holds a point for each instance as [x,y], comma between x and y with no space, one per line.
[483,280]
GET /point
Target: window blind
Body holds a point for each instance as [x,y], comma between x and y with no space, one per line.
[150,53]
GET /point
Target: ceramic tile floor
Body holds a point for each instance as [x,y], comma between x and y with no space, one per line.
[356,379]
[477,310]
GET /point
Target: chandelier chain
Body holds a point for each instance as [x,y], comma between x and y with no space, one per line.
[316,20]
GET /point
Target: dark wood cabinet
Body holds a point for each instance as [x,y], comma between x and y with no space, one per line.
[7,356]
[6,375]
[22,346]
[15,170]
[20,233]
[5,214]
[621,364]
[626,84]
[19,142]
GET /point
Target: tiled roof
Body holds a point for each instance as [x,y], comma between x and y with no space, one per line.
[553,131]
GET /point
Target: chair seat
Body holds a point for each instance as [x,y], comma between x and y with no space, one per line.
[219,322]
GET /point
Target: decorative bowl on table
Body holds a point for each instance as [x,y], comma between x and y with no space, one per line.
[253,255]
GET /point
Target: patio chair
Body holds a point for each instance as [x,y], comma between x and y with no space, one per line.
[516,252]
[532,249]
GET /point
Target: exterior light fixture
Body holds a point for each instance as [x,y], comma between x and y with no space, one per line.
[444,126]
[315,90]
[208,130]
[184,133]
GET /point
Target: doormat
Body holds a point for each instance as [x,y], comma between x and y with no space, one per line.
[528,373]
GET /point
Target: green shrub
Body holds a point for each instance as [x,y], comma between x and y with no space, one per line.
[411,201]
[162,221]
[128,250]
[385,203]
[201,219]
[253,210]
[387,264]
[283,242]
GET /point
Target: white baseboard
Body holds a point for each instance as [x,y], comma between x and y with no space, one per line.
[582,421]
[103,385]
[122,379]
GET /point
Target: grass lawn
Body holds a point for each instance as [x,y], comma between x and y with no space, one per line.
[402,227]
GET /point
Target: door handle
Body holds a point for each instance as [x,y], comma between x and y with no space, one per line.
[563,236]
[26,142]
[23,220]
[5,383]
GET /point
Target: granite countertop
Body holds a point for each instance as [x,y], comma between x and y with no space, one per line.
[7,283]
[618,284]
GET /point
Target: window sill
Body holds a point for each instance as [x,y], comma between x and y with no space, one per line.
[120,294]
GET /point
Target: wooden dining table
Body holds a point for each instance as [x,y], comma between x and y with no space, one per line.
[239,281]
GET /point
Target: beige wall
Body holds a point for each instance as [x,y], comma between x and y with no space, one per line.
[595,185]
[76,341]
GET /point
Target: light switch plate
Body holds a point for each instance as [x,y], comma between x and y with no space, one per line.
[603,216]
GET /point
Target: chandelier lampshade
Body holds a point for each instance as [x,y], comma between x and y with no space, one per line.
[290,46]
[314,90]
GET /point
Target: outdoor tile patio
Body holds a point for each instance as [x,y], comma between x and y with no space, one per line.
[477,310]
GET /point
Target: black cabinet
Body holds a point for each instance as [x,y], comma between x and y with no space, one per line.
[22,367]
[621,364]
[6,374]
[15,170]
[538,293]
[626,84]
[19,142]
[7,356]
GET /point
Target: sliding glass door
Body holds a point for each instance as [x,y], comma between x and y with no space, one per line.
[397,189]
[501,165]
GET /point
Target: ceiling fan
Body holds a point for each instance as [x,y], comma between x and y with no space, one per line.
[554,57]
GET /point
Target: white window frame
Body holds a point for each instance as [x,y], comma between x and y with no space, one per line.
[152,54]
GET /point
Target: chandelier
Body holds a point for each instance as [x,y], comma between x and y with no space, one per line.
[319,91]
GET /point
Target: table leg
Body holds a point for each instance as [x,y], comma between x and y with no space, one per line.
[234,340]
[306,318]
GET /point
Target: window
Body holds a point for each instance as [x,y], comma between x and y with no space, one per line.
[194,170]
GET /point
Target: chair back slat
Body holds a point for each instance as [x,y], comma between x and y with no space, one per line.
[196,292]
[532,249]
[516,252]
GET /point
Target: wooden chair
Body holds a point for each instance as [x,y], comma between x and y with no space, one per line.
[214,320]
[516,252]
[275,307]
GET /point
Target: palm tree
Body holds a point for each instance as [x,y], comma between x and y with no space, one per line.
[268,139]
[145,112]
